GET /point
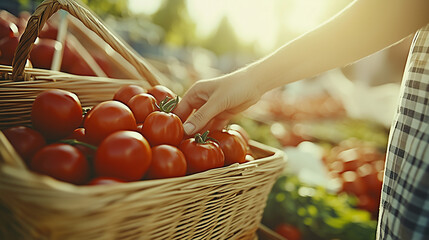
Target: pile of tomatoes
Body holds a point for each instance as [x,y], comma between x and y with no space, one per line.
[359,169]
[134,136]
[11,29]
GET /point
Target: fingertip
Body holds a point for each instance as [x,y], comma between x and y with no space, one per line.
[189,128]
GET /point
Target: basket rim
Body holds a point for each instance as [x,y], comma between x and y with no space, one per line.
[40,74]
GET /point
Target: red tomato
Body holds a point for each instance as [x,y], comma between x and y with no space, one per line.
[26,141]
[286,136]
[380,176]
[49,31]
[80,68]
[163,127]
[352,165]
[240,130]
[104,181]
[288,231]
[368,203]
[371,154]
[142,105]
[125,93]
[43,50]
[56,113]
[125,155]
[232,144]
[63,162]
[78,134]
[161,92]
[71,58]
[105,65]
[82,144]
[22,21]
[8,29]
[167,161]
[7,49]
[106,118]
[373,181]
[351,159]
[202,154]
[353,184]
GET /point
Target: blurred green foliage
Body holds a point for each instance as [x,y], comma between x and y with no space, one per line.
[317,213]
[334,131]
[224,40]
[108,7]
[180,30]
[174,18]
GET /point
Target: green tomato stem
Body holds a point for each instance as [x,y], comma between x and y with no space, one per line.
[76,142]
[204,138]
[167,105]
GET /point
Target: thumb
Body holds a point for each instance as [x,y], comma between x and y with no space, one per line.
[199,118]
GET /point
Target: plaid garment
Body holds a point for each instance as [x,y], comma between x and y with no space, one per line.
[404,206]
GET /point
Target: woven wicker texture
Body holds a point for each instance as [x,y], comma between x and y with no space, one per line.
[222,203]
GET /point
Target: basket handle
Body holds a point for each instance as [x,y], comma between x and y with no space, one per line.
[46,9]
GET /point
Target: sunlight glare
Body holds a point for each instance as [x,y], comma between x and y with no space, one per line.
[206,14]
[254,21]
[147,7]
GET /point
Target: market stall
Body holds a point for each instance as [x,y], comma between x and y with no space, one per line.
[305,162]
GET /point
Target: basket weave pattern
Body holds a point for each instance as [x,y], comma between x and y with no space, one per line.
[222,203]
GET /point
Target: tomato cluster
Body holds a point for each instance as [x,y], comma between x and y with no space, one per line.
[10,29]
[133,136]
[359,169]
[42,53]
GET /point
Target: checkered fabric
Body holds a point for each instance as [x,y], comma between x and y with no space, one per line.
[404,206]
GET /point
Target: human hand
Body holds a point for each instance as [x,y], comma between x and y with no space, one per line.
[216,100]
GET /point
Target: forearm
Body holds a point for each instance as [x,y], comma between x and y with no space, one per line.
[364,27]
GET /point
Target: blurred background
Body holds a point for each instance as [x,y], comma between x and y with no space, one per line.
[333,127]
[224,35]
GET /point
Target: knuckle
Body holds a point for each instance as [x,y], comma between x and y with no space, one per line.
[199,117]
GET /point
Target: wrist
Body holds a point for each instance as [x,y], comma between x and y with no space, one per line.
[260,76]
[250,78]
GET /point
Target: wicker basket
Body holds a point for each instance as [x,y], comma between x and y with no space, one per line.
[222,203]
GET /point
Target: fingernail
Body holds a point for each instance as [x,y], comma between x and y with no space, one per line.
[188,127]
